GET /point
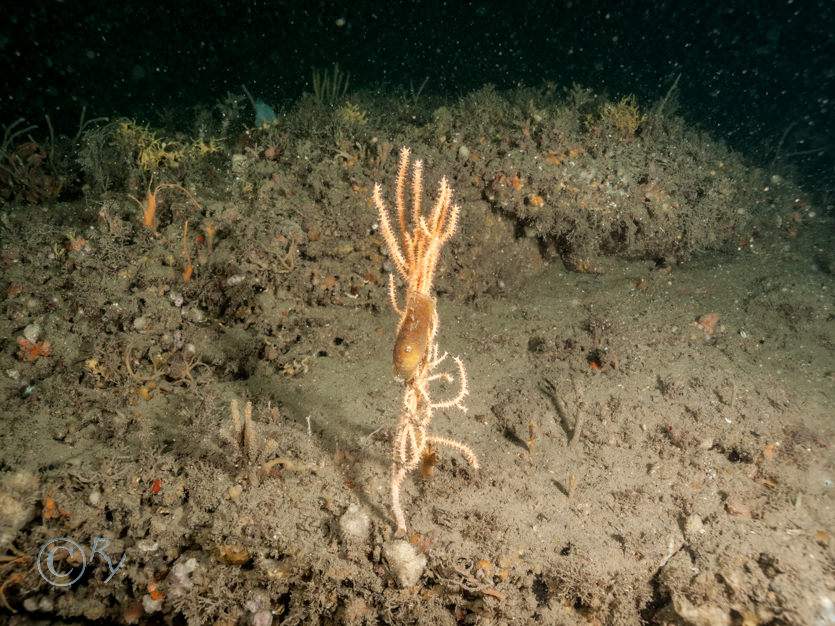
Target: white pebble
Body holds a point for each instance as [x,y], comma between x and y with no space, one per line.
[355,525]
[405,563]
[32,333]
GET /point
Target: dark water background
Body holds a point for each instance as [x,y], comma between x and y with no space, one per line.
[749,70]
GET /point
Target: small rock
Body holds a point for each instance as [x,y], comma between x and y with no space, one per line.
[405,563]
[195,314]
[262,618]
[355,525]
[150,605]
[133,612]
[147,545]
[700,615]
[693,526]
[32,333]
